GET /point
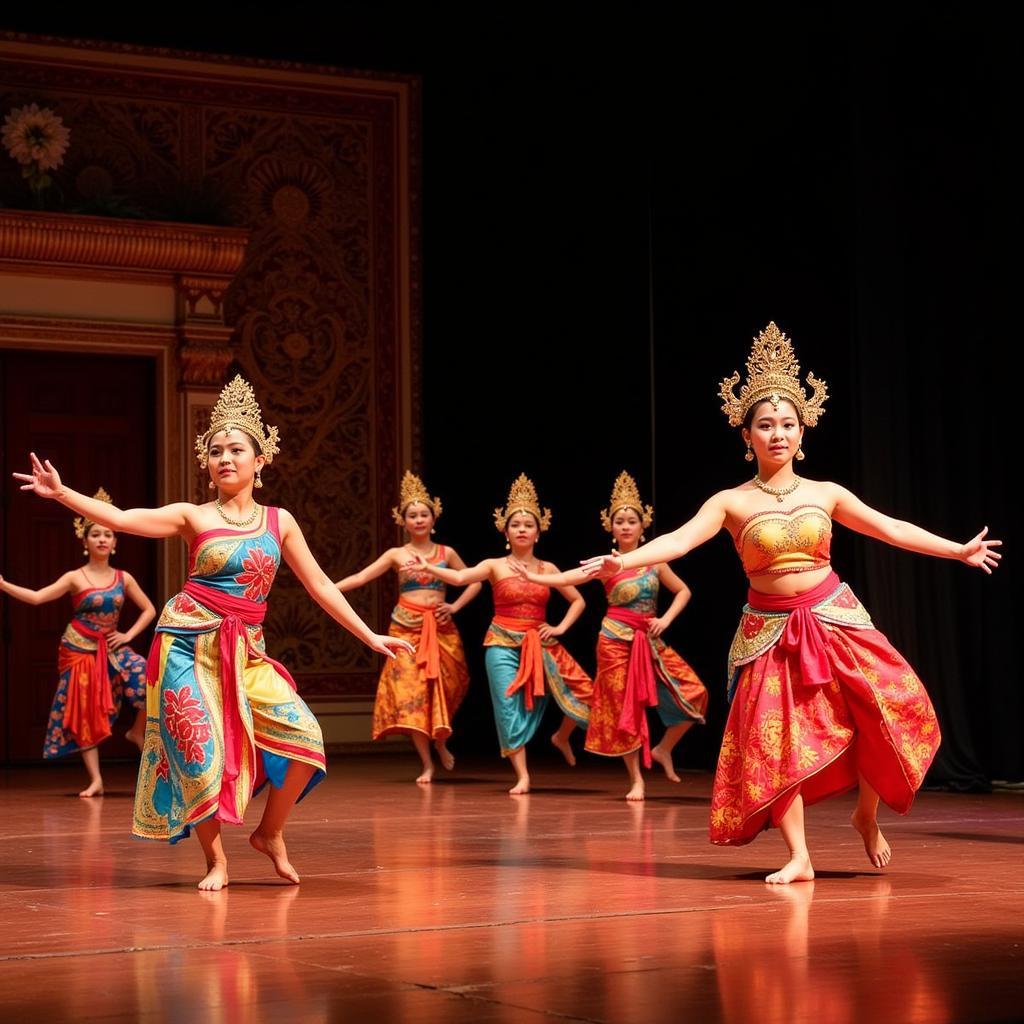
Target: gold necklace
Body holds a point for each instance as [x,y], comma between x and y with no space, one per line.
[518,561]
[238,522]
[777,492]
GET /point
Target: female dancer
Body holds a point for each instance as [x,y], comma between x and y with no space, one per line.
[215,698]
[522,651]
[96,664]
[419,693]
[631,656]
[821,702]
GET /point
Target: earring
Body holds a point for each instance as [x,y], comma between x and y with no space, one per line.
[432,531]
[800,454]
[643,539]
[750,453]
[211,485]
[508,547]
[85,553]
[259,482]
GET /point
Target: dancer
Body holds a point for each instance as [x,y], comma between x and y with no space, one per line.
[96,664]
[419,693]
[632,659]
[522,649]
[821,702]
[222,717]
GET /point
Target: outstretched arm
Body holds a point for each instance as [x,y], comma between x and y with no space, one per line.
[456,577]
[571,578]
[56,589]
[167,521]
[855,514]
[319,587]
[467,595]
[710,518]
[373,571]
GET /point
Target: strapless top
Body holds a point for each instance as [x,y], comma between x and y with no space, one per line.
[792,540]
[517,598]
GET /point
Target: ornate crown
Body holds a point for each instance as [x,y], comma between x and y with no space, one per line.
[237,409]
[82,523]
[522,497]
[413,489]
[773,374]
[626,495]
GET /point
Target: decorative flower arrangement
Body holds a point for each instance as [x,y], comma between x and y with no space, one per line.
[38,140]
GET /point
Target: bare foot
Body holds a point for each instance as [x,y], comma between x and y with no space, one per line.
[273,846]
[562,744]
[796,869]
[877,849]
[446,756]
[665,760]
[216,878]
[135,737]
[521,787]
[636,793]
[426,776]
[93,789]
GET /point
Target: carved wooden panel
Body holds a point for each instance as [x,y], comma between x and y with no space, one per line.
[322,167]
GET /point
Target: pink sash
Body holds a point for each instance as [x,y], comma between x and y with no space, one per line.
[804,635]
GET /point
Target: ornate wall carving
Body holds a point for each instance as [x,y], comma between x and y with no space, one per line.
[322,168]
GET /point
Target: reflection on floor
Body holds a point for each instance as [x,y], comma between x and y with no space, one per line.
[455,902]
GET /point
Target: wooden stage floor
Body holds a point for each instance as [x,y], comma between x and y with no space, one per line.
[458,903]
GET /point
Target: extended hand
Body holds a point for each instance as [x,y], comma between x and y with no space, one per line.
[978,551]
[418,563]
[43,479]
[602,566]
[389,644]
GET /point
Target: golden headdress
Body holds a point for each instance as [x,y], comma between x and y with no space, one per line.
[413,489]
[237,409]
[773,374]
[522,497]
[82,523]
[626,495]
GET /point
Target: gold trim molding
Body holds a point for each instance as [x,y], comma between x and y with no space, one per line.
[161,247]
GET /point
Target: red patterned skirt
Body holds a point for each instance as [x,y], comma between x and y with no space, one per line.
[819,696]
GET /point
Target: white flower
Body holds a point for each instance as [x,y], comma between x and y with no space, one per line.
[34,136]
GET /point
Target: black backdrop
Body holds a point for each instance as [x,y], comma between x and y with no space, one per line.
[612,209]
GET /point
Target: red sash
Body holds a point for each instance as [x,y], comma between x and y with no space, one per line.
[641,682]
[88,713]
[804,635]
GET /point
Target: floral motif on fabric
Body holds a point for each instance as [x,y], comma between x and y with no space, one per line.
[187,723]
[184,604]
[258,574]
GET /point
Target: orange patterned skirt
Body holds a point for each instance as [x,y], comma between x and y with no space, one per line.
[681,695]
[820,696]
[410,696]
